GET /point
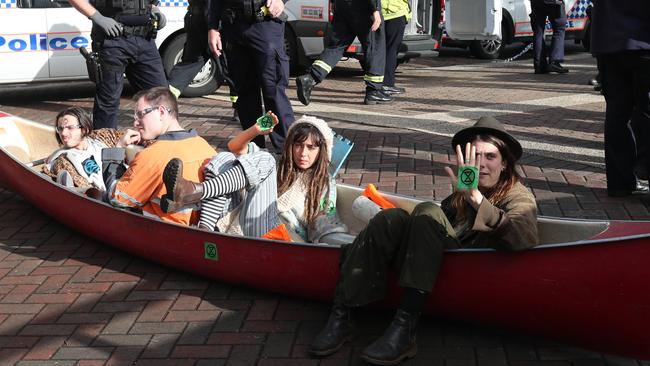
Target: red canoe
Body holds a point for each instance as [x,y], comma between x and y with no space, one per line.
[586,286]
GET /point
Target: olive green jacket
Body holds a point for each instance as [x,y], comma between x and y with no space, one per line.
[511,225]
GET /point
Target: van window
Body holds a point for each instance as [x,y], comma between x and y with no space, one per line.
[41,4]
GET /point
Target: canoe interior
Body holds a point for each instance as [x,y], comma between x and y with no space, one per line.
[29,141]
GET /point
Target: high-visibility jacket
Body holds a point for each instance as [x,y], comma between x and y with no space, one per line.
[392,9]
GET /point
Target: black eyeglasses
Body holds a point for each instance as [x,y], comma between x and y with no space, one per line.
[138,115]
[60,129]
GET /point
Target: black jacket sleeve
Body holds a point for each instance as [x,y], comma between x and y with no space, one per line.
[375,5]
[214,13]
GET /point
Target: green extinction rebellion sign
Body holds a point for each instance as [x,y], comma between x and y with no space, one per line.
[467,177]
[210,251]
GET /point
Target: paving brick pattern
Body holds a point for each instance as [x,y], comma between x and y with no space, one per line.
[68,300]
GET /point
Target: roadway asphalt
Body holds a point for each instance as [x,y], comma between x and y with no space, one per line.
[66,299]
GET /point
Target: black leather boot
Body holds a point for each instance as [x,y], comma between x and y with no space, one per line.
[376,97]
[305,84]
[397,342]
[337,331]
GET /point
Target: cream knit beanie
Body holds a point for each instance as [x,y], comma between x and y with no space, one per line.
[322,126]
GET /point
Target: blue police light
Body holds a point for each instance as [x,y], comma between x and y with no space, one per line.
[40,42]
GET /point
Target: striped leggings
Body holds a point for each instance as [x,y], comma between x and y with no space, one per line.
[259,212]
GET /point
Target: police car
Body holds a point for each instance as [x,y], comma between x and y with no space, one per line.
[40,39]
[515,26]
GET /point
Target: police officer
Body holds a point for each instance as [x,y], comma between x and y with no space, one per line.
[123,34]
[196,53]
[554,10]
[620,39]
[352,18]
[252,35]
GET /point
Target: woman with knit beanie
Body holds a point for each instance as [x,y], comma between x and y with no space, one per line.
[242,194]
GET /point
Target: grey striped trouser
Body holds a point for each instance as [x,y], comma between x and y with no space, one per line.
[259,213]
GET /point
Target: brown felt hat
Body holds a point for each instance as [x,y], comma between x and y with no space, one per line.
[487,126]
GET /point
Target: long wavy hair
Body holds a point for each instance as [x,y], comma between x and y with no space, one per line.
[497,193]
[315,178]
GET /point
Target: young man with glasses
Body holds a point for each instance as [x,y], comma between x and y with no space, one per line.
[141,185]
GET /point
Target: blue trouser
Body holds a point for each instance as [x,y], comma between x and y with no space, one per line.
[350,22]
[257,61]
[557,16]
[626,86]
[139,59]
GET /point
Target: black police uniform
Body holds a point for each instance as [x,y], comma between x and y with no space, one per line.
[134,53]
[620,39]
[353,19]
[196,52]
[555,11]
[254,43]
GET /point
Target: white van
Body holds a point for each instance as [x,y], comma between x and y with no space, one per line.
[40,39]
[515,27]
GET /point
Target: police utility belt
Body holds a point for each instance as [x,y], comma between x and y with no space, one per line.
[254,11]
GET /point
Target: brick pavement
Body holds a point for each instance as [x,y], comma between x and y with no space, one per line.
[68,300]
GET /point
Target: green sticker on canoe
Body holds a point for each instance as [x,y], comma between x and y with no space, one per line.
[467,177]
[210,251]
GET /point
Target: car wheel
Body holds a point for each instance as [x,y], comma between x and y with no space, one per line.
[204,82]
[489,49]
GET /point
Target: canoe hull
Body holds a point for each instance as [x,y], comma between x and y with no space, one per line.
[593,295]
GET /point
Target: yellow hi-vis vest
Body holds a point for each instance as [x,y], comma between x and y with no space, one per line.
[392,9]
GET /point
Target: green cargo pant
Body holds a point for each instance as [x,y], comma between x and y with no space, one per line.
[412,245]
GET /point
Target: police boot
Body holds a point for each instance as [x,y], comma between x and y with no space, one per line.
[180,191]
[374,96]
[397,342]
[305,84]
[337,331]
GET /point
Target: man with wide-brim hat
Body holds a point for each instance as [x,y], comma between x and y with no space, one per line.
[498,212]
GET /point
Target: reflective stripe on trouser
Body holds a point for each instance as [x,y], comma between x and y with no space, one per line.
[346,26]
[259,212]
[414,244]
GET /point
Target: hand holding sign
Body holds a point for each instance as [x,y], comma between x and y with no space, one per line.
[469,166]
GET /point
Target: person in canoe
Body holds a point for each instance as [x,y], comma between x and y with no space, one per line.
[140,185]
[495,212]
[78,163]
[299,200]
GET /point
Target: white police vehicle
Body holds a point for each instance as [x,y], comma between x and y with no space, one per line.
[40,39]
[514,25]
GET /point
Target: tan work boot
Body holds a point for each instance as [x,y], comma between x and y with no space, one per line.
[180,191]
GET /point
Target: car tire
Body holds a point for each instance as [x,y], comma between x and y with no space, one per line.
[204,83]
[488,49]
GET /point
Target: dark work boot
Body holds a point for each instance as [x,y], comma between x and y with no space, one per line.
[180,191]
[337,331]
[305,84]
[555,66]
[397,342]
[374,96]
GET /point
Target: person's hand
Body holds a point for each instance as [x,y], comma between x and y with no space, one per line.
[270,130]
[130,137]
[160,17]
[276,7]
[106,24]
[214,41]
[472,195]
[376,21]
